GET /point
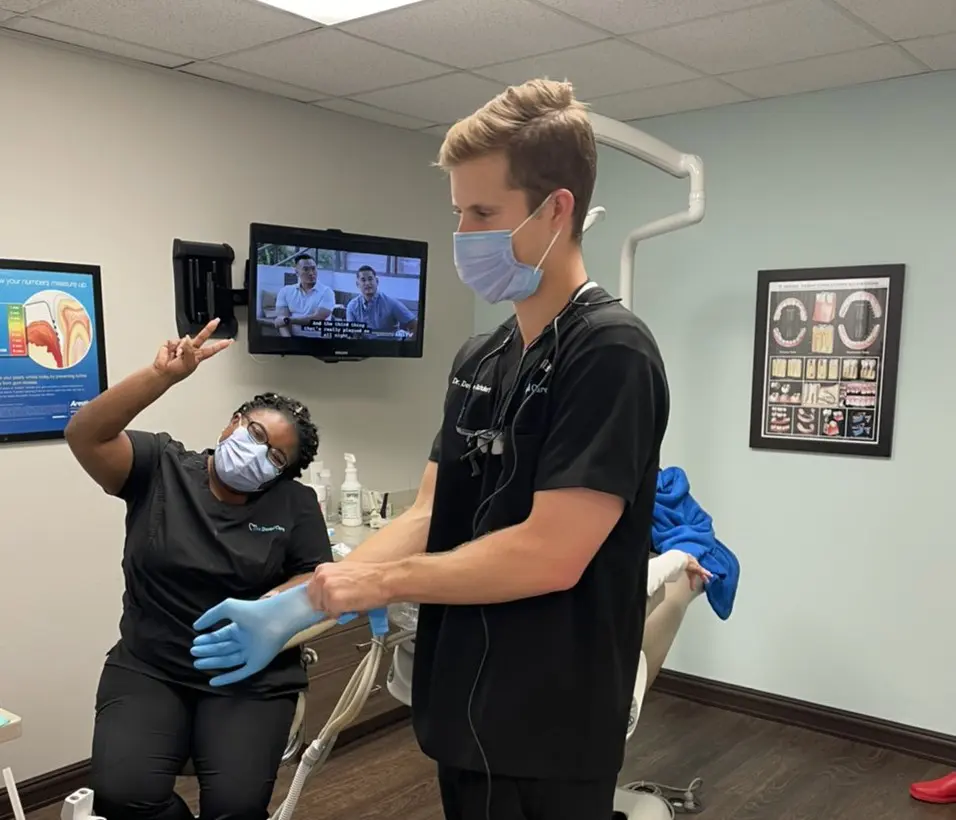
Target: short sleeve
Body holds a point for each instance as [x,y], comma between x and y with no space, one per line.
[282,298]
[147,451]
[309,543]
[328,300]
[607,419]
[401,313]
[435,454]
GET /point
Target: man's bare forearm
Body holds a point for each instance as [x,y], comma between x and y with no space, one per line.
[407,535]
[110,413]
[506,565]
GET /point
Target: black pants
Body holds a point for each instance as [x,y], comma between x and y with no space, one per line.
[145,731]
[464,796]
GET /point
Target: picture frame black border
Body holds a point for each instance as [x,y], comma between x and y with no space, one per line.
[95,274]
[896,273]
[331,350]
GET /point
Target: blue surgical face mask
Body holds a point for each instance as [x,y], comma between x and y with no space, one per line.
[242,464]
[486,263]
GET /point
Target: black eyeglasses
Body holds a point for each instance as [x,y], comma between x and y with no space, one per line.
[259,435]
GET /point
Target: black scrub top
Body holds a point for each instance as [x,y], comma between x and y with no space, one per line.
[589,409]
[186,551]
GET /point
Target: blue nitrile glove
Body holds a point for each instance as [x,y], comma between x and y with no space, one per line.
[378,621]
[255,635]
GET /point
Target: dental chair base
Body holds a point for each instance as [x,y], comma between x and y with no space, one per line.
[638,806]
[635,801]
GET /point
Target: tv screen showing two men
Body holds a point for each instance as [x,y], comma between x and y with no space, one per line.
[323,294]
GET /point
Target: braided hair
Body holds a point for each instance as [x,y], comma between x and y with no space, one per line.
[297,414]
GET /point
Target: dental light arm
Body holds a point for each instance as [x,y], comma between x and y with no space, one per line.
[651,150]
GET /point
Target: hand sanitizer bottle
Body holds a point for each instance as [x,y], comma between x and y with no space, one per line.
[351,495]
[325,480]
[315,476]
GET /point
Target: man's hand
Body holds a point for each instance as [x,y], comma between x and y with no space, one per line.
[696,572]
[178,358]
[348,587]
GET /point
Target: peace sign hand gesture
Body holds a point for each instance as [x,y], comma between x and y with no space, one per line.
[177,358]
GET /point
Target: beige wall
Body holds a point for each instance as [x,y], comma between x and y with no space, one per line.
[106,163]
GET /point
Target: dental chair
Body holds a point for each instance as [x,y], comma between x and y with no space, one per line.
[634,801]
[297,731]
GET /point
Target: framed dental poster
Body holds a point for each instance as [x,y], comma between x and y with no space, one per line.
[826,356]
[52,354]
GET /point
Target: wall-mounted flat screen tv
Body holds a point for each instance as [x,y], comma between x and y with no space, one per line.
[335,296]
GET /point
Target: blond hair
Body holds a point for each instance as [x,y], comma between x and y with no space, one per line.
[546,135]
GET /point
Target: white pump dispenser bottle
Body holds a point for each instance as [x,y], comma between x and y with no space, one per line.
[351,495]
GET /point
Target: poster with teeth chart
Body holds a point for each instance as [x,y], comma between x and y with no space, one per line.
[52,355]
[826,353]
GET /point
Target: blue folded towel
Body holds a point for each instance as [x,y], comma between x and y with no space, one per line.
[681,524]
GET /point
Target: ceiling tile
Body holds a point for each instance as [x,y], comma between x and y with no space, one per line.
[198,29]
[223,74]
[333,62]
[370,112]
[441,99]
[652,102]
[835,70]
[757,37]
[471,34]
[95,42]
[438,131]
[937,52]
[625,16]
[21,6]
[5,15]
[906,19]
[595,70]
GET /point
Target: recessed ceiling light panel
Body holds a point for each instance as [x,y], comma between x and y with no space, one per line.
[333,12]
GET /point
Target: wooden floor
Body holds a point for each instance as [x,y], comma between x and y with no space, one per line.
[752,770]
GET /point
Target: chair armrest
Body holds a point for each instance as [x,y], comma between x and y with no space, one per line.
[661,570]
[310,634]
[665,568]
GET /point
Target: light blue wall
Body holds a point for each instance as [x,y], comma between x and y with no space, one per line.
[849,565]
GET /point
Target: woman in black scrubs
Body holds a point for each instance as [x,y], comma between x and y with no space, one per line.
[200,527]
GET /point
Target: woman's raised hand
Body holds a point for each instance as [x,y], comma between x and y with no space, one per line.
[177,358]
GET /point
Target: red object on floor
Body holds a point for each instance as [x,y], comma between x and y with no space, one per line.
[935,791]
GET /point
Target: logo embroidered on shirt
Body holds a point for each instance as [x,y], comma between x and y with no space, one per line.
[260,528]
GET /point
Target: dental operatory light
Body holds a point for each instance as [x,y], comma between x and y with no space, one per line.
[333,12]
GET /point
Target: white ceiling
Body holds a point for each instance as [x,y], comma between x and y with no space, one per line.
[423,66]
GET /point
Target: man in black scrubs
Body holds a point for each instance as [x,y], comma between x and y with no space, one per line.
[528,544]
